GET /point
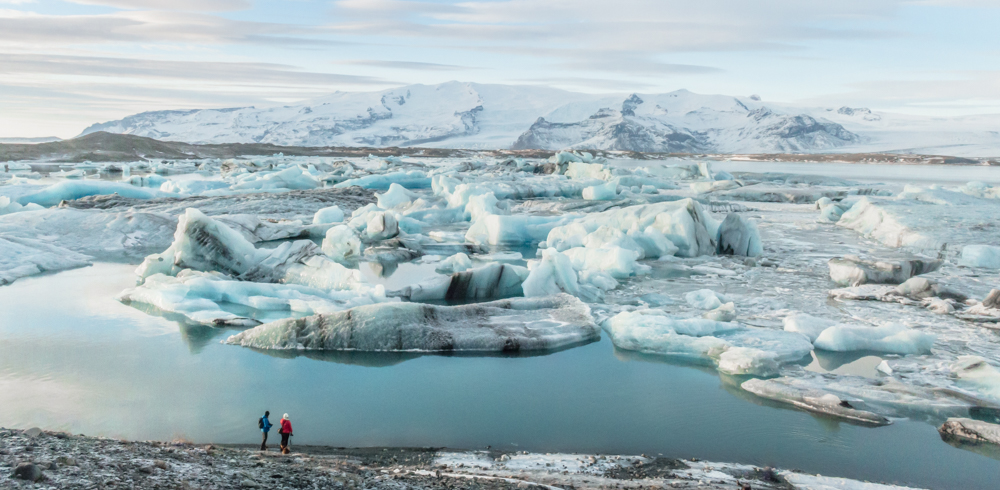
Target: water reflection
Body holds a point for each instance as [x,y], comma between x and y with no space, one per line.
[855,363]
[384,359]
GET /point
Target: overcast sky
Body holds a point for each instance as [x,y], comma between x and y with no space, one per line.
[67,64]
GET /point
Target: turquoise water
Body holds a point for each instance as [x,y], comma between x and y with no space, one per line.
[73,358]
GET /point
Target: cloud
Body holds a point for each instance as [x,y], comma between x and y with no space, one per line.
[230,72]
[187,5]
[128,27]
[633,25]
[405,65]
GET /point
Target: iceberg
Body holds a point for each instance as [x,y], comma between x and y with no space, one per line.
[342,244]
[491,281]
[807,325]
[512,325]
[68,191]
[328,215]
[455,263]
[205,244]
[853,271]
[970,431]
[685,223]
[985,256]
[396,196]
[555,274]
[513,230]
[812,400]
[412,179]
[199,297]
[739,236]
[893,338]
[603,192]
[978,374]
[22,257]
[735,349]
[704,299]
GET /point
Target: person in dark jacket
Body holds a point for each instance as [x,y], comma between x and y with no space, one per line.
[265,426]
[285,431]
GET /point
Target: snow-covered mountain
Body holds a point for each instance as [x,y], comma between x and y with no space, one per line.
[483,116]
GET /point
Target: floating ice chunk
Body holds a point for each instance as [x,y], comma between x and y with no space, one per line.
[853,271]
[986,256]
[456,263]
[723,175]
[491,281]
[381,225]
[198,295]
[513,230]
[603,192]
[8,206]
[977,373]
[883,367]
[519,324]
[813,400]
[413,179]
[587,171]
[342,244]
[481,206]
[192,186]
[555,274]
[735,349]
[289,178]
[22,257]
[610,237]
[713,185]
[599,279]
[970,431]
[653,332]
[807,325]
[739,236]
[685,223]
[397,196]
[830,210]
[151,180]
[704,299]
[893,338]
[762,351]
[748,360]
[724,313]
[705,169]
[327,215]
[618,262]
[67,191]
[205,244]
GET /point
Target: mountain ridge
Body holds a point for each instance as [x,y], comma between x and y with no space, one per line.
[492,116]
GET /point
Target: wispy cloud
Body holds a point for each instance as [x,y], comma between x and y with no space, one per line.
[406,65]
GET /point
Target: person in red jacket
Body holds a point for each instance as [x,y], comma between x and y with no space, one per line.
[285,431]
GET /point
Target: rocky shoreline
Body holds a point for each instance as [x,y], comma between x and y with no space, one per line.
[35,458]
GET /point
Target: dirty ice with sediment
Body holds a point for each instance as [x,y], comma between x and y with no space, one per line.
[782,279]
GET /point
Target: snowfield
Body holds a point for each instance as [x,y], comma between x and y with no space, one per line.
[483,116]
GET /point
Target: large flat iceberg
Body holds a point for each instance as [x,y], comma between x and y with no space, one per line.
[519,324]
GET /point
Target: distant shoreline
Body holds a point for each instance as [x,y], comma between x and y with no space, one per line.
[108,147]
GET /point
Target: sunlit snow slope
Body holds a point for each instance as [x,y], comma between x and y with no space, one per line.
[470,115]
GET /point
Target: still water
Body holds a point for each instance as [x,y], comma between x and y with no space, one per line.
[73,358]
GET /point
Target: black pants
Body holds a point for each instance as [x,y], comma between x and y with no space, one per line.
[263,444]
[284,439]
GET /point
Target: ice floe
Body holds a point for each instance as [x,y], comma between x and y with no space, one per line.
[519,324]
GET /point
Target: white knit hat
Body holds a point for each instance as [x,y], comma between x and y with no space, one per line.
[285,416]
